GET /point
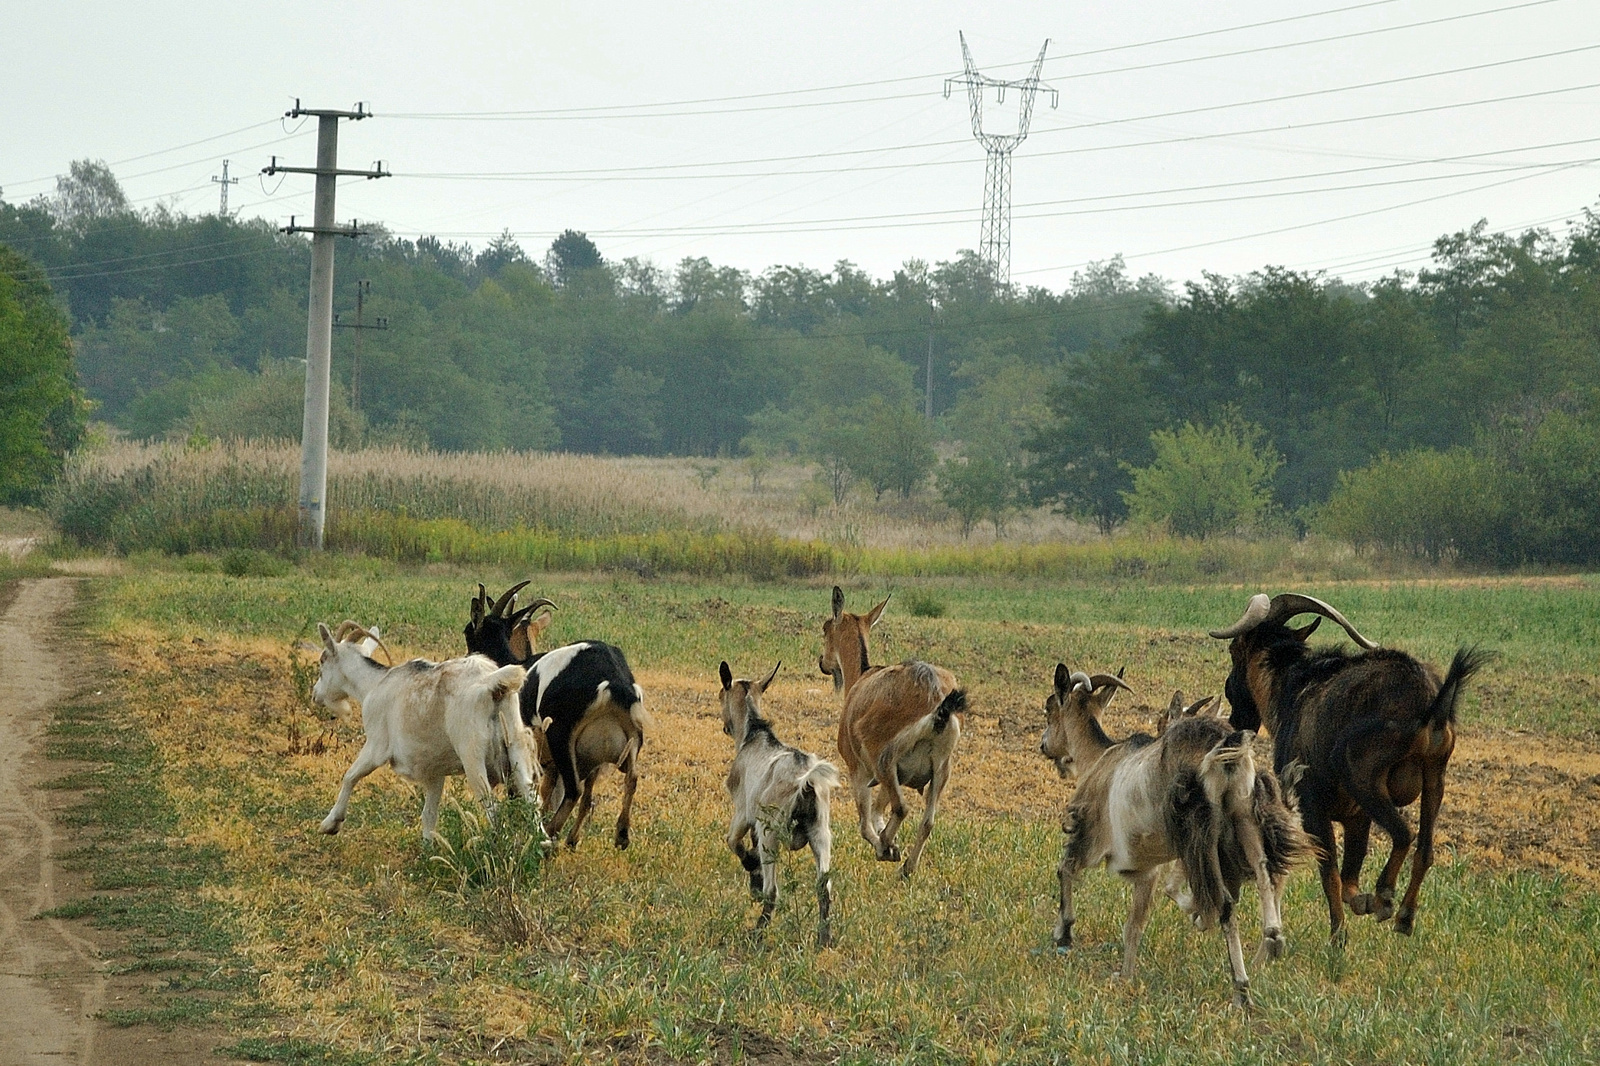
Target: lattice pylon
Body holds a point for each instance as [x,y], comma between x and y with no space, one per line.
[994,242]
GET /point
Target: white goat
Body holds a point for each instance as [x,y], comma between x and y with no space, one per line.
[1193,795]
[428,721]
[780,794]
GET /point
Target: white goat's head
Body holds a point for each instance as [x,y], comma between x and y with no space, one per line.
[1072,710]
[341,651]
[741,700]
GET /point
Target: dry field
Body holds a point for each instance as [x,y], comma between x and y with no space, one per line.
[359,948]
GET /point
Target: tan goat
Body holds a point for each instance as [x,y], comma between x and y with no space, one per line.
[1193,795]
[898,730]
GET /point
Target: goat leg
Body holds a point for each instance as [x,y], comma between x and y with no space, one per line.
[889,782]
[1241,979]
[1432,797]
[767,849]
[1376,802]
[630,785]
[1144,890]
[1357,839]
[432,791]
[1249,835]
[368,759]
[930,808]
[585,808]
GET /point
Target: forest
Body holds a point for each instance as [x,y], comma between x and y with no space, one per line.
[1450,412]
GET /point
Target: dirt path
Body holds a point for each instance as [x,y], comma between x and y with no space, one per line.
[52,980]
[51,984]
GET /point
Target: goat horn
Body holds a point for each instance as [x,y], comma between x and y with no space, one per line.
[1256,613]
[1078,677]
[499,608]
[1288,604]
[1100,681]
[538,603]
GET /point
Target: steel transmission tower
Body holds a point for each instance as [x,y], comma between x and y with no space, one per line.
[224,181]
[994,245]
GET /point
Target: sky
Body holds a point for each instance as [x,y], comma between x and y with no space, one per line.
[1334,135]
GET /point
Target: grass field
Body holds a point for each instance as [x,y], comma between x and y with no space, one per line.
[361,948]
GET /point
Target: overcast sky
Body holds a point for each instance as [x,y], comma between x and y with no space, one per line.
[762,134]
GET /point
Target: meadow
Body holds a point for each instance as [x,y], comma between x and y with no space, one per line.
[366,947]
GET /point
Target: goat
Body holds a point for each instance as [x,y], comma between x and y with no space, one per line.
[1193,795]
[898,730]
[780,795]
[587,693]
[428,721]
[1374,730]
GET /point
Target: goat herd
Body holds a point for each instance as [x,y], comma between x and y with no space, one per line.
[1356,736]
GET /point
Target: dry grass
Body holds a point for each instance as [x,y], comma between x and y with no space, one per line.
[648,955]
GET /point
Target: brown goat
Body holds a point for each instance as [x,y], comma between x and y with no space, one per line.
[1374,731]
[898,730]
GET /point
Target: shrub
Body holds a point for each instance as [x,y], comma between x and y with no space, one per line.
[924,604]
[1206,479]
[1426,502]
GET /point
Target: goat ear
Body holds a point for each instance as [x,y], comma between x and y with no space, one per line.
[521,646]
[1304,633]
[726,675]
[877,612]
[769,677]
[327,636]
[540,624]
[1175,708]
[1123,672]
[838,601]
[1063,679]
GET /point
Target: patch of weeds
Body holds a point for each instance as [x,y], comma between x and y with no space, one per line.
[293,1051]
[253,562]
[492,865]
[924,604]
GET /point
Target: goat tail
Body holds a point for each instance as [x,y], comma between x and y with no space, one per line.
[954,703]
[1195,825]
[506,681]
[1467,662]
[1277,817]
[821,779]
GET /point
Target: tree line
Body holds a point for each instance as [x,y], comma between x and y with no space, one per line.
[1110,399]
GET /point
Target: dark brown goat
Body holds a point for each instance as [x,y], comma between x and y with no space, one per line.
[1373,730]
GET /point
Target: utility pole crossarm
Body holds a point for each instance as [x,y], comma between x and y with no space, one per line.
[377,170]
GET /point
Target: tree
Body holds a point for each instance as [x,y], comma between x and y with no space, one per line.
[894,449]
[1104,411]
[87,192]
[1206,479]
[570,256]
[979,486]
[42,413]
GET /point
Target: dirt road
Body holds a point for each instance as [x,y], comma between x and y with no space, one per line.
[52,980]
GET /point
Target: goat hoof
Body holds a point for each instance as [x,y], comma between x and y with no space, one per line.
[1241,995]
[1361,904]
[622,842]
[1273,946]
[331,829]
[889,854]
[824,938]
[1404,922]
[1383,909]
[1339,938]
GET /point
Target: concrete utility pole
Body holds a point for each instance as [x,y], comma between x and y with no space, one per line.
[319,315]
[224,181]
[994,245]
[363,287]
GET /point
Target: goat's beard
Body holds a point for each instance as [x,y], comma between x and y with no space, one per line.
[838,680]
[1063,767]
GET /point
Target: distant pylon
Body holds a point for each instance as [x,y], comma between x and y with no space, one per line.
[994,244]
[224,181]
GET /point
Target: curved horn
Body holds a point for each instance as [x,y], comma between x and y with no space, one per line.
[1100,681]
[1078,677]
[498,611]
[1288,604]
[348,628]
[541,602]
[1256,613]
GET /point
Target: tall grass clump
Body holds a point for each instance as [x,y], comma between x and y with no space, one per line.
[491,865]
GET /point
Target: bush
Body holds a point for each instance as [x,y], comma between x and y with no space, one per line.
[1206,479]
[1425,502]
[252,562]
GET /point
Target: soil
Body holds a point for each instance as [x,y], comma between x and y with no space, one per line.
[53,979]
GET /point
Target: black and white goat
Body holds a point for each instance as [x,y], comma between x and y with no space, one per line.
[780,796]
[587,695]
[1193,795]
[428,721]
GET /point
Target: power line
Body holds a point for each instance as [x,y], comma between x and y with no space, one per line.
[655,110]
[627,173]
[162,151]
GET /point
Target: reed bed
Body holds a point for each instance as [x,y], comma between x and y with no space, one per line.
[551,512]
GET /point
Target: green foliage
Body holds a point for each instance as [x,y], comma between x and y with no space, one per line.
[491,864]
[977,487]
[42,414]
[1206,480]
[252,562]
[893,448]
